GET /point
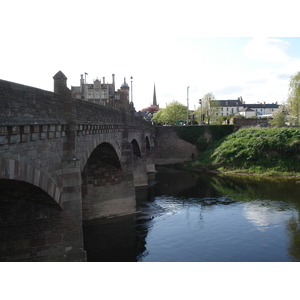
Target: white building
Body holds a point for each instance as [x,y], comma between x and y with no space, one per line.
[239,107]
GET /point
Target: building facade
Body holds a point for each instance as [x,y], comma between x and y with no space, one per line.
[239,107]
[103,93]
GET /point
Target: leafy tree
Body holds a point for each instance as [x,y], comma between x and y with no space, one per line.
[279,117]
[174,111]
[294,98]
[211,108]
[197,114]
[158,117]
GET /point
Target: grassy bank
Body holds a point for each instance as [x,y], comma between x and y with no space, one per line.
[268,151]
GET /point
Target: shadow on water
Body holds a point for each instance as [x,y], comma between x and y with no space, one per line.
[125,238]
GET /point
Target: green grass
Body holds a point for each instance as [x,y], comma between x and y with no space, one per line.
[268,151]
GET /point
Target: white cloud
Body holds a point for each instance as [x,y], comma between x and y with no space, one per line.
[267,49]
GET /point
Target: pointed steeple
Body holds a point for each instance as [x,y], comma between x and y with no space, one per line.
[154,97]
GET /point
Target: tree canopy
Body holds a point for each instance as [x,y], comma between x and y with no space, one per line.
[211,108]
[174,111]
[294,98]
[279,117]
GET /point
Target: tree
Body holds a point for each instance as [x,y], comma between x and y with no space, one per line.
[211,108]
[294,98]
[158,117]
[174,111]
[279,117]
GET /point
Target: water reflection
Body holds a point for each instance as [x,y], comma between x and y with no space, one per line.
[264,213]
[189,217]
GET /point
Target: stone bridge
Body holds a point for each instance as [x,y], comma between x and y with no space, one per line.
[72,160]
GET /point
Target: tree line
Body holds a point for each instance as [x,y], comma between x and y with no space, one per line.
[208,110]
[175,112]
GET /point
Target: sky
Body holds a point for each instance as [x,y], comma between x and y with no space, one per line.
[247,51]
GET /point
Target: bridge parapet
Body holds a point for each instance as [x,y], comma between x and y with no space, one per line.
[46,140]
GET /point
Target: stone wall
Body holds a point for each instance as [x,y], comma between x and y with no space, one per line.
[242,123]
[21,105]
[45,141]
[35,228]
[170,149]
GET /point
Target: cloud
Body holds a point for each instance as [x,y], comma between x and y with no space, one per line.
[267,49]
[229,90]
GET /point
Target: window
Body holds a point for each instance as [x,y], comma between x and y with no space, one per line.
[91,94]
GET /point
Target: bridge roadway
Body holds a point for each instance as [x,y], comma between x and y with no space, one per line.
[73,160]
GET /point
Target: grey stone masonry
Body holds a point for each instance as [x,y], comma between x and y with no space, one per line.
[46,141]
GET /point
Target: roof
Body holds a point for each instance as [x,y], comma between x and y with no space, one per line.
[125,84]
[60,75]
[263,105]
[230,102]
[239,103]
[152,109]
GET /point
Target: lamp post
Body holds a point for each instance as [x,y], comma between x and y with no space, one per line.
[187,117]
[85,90]
[131,87]
[200,119]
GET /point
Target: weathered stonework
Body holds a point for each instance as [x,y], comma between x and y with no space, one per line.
[170,149]
[46,140]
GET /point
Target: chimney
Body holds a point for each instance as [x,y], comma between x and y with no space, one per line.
[113,81]
[81,83]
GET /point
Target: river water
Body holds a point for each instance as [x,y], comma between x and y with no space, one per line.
[184,217]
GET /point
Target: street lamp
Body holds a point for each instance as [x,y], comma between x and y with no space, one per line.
[187,119]
[85,90]
[131,87]
[200,119]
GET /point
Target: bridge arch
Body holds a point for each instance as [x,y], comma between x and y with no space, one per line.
[104,184]
[20,171]
[147,143]
[91,144]
[32,223]
[136,150]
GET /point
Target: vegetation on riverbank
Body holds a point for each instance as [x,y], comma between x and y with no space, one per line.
[268,151]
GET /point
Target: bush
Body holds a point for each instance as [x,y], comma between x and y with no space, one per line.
[256,150]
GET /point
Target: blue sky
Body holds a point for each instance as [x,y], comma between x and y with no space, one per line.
[169,44]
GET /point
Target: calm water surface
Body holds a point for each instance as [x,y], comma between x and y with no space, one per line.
[185,217]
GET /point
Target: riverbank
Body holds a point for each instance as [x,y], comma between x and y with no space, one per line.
[265,152]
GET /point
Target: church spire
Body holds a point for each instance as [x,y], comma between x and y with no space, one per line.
[154,97]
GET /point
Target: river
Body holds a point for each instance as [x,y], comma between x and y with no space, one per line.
[185,217]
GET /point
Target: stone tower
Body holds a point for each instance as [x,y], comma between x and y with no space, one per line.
[60,84]
[122,99]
